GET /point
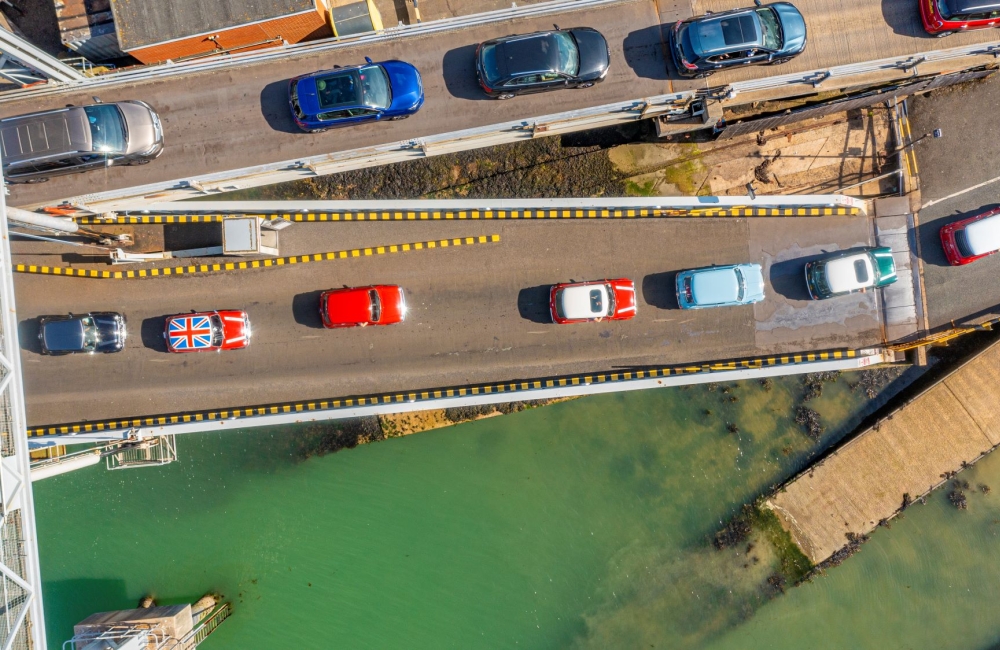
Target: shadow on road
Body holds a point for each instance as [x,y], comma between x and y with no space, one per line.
[27,334]
[788,278]
[659,290]
[459,69]
[643,50]
[151,333]
[305,309]
[274,107]
[533,304]
[903,18]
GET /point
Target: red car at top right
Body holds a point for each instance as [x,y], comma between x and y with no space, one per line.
[945,17]
[968,240]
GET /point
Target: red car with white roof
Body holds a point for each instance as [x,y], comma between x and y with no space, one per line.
[382,304]
[968,240]
[208,331]
[582,302]
[944,17]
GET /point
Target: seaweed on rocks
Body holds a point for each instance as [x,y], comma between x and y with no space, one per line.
[854,542]
[767,384]
[813,383]
[907,501]
[985,489]
[873,380]
[809,420]
[737,531]
[466,413]
[958,499]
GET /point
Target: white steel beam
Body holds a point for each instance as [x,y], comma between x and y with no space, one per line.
[17,49]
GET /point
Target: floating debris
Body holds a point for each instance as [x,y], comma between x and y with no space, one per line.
[809,420]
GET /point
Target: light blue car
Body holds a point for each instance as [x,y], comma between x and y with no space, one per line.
[720,286]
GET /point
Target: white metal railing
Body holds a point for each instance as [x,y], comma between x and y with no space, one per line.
[401,31]
[22,621]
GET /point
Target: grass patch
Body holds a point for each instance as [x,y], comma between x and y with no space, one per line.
[634,189]
[793,565]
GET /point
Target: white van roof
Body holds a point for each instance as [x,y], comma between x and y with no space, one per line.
[984,235]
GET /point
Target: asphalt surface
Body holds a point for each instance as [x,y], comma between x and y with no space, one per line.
[968,154]
[477,314]
[239,117]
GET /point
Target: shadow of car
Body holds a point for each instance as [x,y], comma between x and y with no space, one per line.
[658,290]
[644,53]
[533,304]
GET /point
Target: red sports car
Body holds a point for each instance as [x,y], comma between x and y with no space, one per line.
[944,17]
[208,331]
[382,304]
[968,240]
[580,302]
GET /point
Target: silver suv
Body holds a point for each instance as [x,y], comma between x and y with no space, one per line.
[75,139]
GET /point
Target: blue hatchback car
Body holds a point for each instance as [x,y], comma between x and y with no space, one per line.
[390,90]
[720,286]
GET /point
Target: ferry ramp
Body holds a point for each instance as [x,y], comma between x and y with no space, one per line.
[228,125]
[904,455]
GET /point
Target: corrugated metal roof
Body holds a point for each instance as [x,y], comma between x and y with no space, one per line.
[146,22]
[88,27]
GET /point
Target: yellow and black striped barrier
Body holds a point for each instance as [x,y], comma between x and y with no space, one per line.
[274,262]
[430,395]
[473,215]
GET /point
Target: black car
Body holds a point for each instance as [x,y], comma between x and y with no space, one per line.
[764,34]
[533,63]
[99,331]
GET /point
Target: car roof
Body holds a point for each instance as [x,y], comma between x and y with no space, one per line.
[349,305]
[64,334]
[52,133]
[529,53]
[841,273]
[973,6]
[575,301]
[984,235]
[714,286]
[727,32]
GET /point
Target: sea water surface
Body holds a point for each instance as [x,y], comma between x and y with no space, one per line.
[585,524]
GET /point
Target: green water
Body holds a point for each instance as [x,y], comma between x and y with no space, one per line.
[580,525]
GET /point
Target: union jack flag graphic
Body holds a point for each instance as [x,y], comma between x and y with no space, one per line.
[190,333]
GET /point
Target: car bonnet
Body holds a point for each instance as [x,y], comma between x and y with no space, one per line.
[793,27]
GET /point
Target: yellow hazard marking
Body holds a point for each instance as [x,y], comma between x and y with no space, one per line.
[473,215]
[226,267]
[430,395]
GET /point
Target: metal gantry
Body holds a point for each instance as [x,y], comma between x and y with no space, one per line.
[25,65]
[22,621]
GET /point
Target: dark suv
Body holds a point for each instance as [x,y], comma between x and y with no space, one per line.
[768,34]
[533,63]
[99,331]
[69,140]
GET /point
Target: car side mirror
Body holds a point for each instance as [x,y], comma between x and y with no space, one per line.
[757,2]
[369,60]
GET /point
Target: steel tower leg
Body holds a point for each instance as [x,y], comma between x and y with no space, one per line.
[24,64]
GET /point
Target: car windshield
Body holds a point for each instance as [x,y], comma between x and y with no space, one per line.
[375,87]
[376,305]
[107,128]
[90,338]
[770,28]
[216,330]
[569,54]
[819,278]
[741,281]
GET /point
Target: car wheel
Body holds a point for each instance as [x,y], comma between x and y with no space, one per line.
[505,96]
[398,117]
[587,84]
[143,161]
[32,181]
[943,34]
[317,130]
[702,75]
[780,61]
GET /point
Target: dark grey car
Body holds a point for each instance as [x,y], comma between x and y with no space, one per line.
[70,140]
[532,63]
[99,331]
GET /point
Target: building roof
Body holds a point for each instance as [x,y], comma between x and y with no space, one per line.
[141,23]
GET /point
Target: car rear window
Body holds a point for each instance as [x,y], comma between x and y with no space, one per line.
[107,128]
[489,58]
[376,305]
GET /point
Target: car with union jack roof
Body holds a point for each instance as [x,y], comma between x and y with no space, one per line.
[208,331]
[594,301]
[971,239]
[380,304]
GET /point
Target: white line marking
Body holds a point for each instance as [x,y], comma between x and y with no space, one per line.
[959,193]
